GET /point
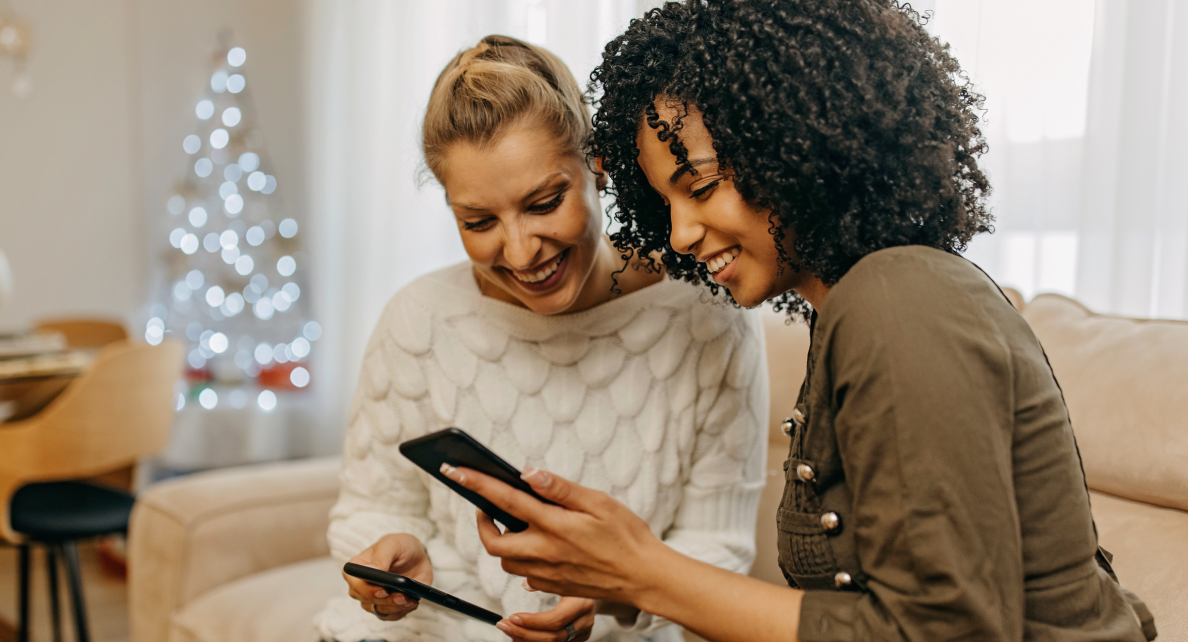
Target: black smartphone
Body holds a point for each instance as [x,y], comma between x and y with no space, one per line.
[411,587]
[456,448]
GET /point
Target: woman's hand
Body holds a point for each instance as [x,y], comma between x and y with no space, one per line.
[550,626]
[397,553]
[588,546]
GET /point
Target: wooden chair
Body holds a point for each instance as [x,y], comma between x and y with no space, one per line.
[117,412]
[85,333]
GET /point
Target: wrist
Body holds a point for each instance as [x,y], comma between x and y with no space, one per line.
[652,575]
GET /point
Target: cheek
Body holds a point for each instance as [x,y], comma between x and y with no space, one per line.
[481,248]
[577,224]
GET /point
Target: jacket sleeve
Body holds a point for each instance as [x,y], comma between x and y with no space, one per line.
[381,491]
[923,418]
[715,523]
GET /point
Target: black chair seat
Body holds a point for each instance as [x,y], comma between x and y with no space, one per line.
[69,510]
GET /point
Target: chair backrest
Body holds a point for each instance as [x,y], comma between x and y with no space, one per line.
[112,415]
[85,333]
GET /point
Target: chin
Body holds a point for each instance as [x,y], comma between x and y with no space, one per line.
[548,305]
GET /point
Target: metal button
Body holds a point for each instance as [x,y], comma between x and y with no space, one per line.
[842,579]
[798,416]
[805,472]
[787,426]
[831,522]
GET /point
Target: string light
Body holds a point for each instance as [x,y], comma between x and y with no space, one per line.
[208,304]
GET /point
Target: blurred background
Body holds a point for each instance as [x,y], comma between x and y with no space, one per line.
[312,215]
[1086,160]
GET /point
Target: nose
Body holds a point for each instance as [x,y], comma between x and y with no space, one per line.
[521,245]
[687,231]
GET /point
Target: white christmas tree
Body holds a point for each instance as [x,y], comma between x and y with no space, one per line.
[231,278]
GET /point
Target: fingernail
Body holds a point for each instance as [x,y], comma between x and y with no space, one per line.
[527,587]
[448,470]
[381,594]
[503,626]
[516,620]
[541,479]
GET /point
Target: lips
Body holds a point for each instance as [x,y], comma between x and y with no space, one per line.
[541,274]
[543,278]
[719,261]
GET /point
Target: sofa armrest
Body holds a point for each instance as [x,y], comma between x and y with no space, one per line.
[198,532]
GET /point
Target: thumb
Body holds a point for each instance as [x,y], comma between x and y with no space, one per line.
[560,491]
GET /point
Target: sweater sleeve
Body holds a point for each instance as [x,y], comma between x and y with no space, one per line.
[381,491]
[715,523]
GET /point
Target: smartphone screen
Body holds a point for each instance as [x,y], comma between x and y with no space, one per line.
[456,448]
[411,587]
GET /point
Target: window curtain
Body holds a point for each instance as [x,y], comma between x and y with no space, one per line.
[1087,160]
[371,65]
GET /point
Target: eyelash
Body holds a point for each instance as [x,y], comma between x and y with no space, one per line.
[699,192]
[477,225]
[543,208]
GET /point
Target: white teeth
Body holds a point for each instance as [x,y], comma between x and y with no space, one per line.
[717,263]
[543,274]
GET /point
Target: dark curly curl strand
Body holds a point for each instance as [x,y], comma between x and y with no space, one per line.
[843,118]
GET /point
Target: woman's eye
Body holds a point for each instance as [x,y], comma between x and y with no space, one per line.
[703,192]
[547,206]
[476,226]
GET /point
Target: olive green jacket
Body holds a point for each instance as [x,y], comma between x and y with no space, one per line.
[934,489]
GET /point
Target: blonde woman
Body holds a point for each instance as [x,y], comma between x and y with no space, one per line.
[555,351]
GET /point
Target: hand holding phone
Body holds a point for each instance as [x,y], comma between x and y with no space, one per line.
[413,588]
[456,448]
[399,553]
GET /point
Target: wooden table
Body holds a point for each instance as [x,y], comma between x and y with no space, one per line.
[30,379]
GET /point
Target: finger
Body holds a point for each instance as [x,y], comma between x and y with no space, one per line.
[528,544]
[566,611]
[386,552]
[561,491]
[521,634]
[388,613]
[393,601]
[517,503]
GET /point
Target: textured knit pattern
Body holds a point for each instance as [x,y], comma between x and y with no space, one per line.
[658,397]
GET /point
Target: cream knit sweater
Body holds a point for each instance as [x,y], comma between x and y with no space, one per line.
[658,397]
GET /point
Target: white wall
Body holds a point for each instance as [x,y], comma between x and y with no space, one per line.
[69,164]
[87,160]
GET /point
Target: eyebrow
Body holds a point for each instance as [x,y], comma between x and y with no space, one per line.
[688,167]
[543,184]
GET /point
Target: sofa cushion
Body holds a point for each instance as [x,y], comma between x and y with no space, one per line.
[1149,557]
[1126,384]
[277,605]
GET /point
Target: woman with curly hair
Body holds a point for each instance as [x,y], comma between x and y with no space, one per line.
[823,154]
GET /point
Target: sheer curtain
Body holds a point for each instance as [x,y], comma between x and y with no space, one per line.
[371,65]
[1087,161]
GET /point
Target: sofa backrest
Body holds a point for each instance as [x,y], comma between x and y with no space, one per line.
[1126,385]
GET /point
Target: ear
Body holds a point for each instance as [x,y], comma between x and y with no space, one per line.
[601,181]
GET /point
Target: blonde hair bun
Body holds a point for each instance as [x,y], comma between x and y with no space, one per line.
[496,84]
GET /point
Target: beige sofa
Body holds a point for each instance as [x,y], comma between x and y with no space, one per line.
[240,555]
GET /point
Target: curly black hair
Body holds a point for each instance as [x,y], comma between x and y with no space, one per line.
[844,119]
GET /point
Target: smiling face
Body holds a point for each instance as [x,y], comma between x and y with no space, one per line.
[710,221]
[528,212]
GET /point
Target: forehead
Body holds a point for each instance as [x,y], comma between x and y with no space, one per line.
[657,155]
[513,163]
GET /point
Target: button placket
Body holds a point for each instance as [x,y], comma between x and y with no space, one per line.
[831,522]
